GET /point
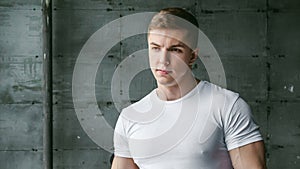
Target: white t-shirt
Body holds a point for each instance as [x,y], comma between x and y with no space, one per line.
[193,132]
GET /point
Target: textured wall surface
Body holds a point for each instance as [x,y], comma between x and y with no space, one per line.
[258,42]
[21,108]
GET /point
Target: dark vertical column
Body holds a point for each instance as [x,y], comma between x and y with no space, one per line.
[268,78]
[47,63]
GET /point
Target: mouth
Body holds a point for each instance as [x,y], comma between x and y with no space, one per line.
[163,71]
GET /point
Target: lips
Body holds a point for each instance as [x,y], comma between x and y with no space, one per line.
[163,71]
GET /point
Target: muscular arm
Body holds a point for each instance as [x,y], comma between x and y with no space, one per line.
[250,156]
[123,163]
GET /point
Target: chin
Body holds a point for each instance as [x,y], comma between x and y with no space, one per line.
[166,82]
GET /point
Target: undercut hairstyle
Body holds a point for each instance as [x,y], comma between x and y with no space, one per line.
[176,18]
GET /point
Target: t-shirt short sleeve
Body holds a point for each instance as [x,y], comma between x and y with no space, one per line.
[121,147]
[240,128]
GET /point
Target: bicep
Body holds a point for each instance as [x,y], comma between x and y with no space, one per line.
[123,163]
[250,156]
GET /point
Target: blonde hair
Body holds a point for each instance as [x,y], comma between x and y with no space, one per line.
[176,18]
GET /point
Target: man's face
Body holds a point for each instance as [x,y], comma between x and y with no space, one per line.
[169,57]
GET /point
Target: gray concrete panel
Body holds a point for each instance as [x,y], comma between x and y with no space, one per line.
[232,4]
[284,129]
[247,76]
[236,34]
[67,131]
[241,46]
[290,5]
[20,56]
[71,30]
[82,4]
[21,127]
[284,56]
[83,158]
[21,159]
[21,4]
[20,32]
[141,6]
[21,84]
[120,5]
[142,84]
[21,80]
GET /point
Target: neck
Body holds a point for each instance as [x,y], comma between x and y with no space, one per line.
[174,92]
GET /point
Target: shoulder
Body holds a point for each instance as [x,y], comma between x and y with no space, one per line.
[225,104]
[142,105]
[219,95]
[139,111]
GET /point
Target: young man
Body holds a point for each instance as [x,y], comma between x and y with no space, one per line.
[184,123]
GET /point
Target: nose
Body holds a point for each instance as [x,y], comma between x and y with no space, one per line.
[164,57]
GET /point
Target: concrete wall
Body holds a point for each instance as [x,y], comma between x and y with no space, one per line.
[257,40]
[21,107]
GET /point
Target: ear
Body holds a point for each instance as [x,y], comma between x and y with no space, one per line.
[194,56]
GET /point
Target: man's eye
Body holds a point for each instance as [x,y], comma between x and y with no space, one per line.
[155,48]
[176,50]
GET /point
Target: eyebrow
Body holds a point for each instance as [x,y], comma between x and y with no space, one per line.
[176,45]
[152,43]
